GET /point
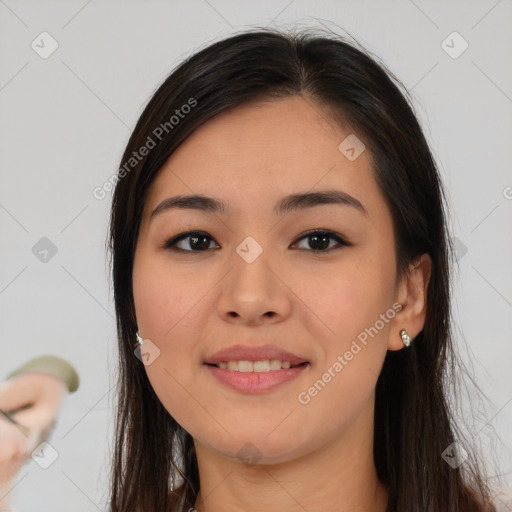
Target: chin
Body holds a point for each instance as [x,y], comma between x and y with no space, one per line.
[257,450]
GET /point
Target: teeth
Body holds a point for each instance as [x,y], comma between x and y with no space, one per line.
[245,366]
[275,364]
[255,366]
[260,366]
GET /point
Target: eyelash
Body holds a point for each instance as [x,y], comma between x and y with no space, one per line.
[170,244]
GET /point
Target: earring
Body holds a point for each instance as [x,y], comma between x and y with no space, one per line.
[405,337]
[140,341]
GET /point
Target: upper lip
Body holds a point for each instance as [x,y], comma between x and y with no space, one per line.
[261,353]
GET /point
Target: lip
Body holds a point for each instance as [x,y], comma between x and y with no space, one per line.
[255,382]
[245,353]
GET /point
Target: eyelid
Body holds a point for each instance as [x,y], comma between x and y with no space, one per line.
[340,240]
[170,243]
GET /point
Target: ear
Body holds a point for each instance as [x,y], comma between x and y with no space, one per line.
[412,295]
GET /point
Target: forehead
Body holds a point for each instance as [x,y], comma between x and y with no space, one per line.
[265,150]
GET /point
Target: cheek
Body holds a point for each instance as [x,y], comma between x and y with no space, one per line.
[167,305]
[350,309]
[159,308]
[346,298]
[163,298]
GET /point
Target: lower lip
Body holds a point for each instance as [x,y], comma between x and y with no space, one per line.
[255,382]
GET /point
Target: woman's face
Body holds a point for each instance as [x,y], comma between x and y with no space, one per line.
[251,278]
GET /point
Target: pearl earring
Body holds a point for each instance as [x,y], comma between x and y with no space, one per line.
[140,341]
[405,337]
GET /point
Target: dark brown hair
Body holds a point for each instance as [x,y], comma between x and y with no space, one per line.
[413,421]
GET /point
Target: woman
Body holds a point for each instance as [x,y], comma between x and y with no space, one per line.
[281,268]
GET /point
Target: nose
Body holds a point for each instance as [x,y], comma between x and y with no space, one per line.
[253,293]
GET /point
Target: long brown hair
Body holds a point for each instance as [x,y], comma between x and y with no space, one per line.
[413,422]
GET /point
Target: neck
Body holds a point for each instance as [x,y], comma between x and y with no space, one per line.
[339,475]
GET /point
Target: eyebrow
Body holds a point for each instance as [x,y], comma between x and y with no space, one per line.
[285,205]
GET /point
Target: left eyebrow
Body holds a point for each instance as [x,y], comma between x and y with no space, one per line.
[285,205]
[311,199]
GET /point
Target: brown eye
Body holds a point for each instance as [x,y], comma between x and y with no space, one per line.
[320,240]
[198,241]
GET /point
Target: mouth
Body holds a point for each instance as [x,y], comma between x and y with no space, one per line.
[255,369]
[255,377]
[262,366]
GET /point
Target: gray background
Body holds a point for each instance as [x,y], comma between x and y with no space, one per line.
[64,121]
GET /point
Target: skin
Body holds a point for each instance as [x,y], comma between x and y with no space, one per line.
[47,393]
[192,304]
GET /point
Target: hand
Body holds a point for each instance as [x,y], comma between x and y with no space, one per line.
[46,393]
